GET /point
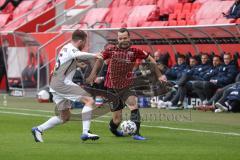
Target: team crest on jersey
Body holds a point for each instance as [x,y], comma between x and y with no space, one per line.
[130,55]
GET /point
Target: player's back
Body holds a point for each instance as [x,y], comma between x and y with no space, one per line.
[65,66]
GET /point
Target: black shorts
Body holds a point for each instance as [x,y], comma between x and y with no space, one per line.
[121,97]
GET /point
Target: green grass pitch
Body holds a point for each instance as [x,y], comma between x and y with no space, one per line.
[182,135]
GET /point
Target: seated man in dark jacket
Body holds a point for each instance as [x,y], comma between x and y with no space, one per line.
[230,101]
[172,99]
[200,87]
[185,82]
[234,11]
[175,72]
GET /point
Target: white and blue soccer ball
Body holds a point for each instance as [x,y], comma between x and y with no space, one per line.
[128,127]
[43,96]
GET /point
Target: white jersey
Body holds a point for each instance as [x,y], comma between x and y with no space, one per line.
[66,65]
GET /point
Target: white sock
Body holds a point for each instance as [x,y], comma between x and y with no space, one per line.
[86,118]
[53,121]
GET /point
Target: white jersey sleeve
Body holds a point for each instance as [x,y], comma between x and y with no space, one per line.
[69,52]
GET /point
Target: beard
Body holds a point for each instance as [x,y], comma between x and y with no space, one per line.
[124,45]
[80,47]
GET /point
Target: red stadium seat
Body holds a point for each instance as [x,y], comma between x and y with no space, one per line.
[154,24]
[237,21]
[160,5]
[195,7]
[181,16]
[206,21]
[39,7]
[4,18]
[144,2]
[95,15]
[14,24]
[118,25]
[187,8]
[209,13]
[2,2]
[125,3]
[178,8]
[172,23]
[172,16]
[118,3]
[167,5]
[181,23]
[191,22]
[118,15]
[224,21]
[189,16]
[9,8]
[23,8]
[138,17]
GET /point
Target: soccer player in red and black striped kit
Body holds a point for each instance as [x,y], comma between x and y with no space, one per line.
[121,61]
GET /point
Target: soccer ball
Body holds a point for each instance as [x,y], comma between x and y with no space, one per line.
[128,127]
[43,96]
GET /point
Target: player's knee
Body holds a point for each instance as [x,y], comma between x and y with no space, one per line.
[133,107]
[65,119]
[89,101]
[65,116]
[117,119]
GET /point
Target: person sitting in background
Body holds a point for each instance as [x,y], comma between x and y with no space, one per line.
[234,11]
[172,98]
[230,101]
[205,89]
[210,104]
[174,73]
[15,3]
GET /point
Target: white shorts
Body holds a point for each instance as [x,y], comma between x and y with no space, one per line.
[63,101]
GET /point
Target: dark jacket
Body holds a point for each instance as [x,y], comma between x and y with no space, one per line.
[176,71]
[234,11]
[211,73]
[226,74]
[235,92]
[198,72]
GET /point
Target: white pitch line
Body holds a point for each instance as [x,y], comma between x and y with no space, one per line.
[25,114]
[24,109]
[193,130]
[35,110]
[162,127]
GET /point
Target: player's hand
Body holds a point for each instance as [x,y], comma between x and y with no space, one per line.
[90,80]
[162,78]
[99,80]
[213,81]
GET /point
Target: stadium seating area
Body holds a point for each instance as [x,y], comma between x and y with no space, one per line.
[126,13]
[11,18]
[147,13]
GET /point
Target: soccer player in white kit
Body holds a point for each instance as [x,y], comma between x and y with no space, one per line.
[64,90]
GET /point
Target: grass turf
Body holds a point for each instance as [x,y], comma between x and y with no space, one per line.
[63,142]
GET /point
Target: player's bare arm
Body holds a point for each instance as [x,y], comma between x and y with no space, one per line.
[95,71]
[160,76]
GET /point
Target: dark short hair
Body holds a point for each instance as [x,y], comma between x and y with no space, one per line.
[217,56]
[204,54]
[79,35]
[194,57]
[122,30]
[181,56]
